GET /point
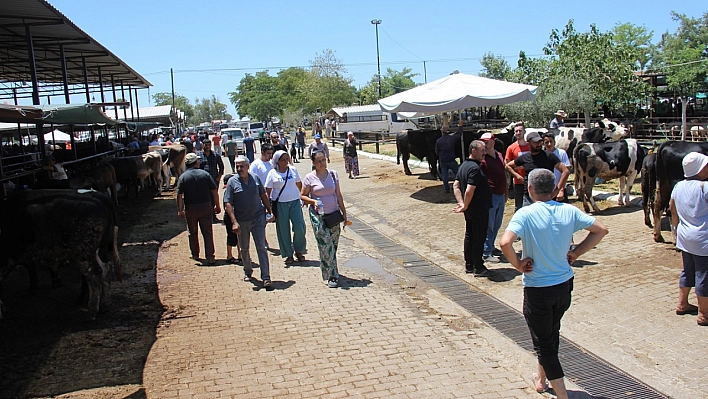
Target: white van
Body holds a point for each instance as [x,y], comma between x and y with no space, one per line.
[257,130]
[237,135]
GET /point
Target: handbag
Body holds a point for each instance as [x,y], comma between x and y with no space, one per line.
[274,203]
[334,218]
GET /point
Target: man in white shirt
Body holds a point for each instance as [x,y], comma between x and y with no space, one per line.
[261,167]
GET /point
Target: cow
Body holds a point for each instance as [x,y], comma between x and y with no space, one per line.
[422,145]
[648,186]
[610,160]
[104,174]
[175,162]
[130,171]
[698,133]
[154,165]
[50,227]
[669,171]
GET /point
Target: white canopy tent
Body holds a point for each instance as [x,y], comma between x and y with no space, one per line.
[57,136]
[454,92]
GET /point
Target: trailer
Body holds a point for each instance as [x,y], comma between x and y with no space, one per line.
[366,118]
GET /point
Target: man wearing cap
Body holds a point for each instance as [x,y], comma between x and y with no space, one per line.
[197,202]
[493,167]
[445,149]
[689,218]
[557,122]
[318,145]
[474,198]
[516,149]
[534,159]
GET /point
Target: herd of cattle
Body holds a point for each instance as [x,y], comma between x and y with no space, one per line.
[599,152]
[75,220]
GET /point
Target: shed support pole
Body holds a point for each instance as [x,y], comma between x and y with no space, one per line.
[132,107]
[64,75]
[86,84]
[32,65]
[137,105]
[113,87]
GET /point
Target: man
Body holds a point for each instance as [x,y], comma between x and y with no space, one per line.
[300,138]
[445,149]
[249,146]
[517,148]
[283,139]
[262,166]
[557,122]
[546,228]
[277,145]
[474,198]
[318,145]
[212,163]
[231,149]
[133,145]
[216,145]
[328,127]
[549,142]
[245,199]
[537,158]
[493,167]
[197,202]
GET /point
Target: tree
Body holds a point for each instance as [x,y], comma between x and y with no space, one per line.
[683,56]
[258,96]
[391,83]
[209,109]
[495,67]
[327,85]
[636,41]
[181,103]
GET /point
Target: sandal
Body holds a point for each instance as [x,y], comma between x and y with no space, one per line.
[687,310]
[234,261]
[247,278]
[534,376]
[300,257]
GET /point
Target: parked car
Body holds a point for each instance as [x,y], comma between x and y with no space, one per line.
[236,134]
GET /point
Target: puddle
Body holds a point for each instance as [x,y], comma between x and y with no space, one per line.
[371,266]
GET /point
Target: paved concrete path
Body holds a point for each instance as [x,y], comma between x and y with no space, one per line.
[384,333]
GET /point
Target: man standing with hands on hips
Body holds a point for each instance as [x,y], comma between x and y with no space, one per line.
[474,198]
[546,229]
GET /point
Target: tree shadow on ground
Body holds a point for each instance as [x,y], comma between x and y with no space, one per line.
[49,347]
[434,195]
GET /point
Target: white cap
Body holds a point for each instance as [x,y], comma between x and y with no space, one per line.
[693,163]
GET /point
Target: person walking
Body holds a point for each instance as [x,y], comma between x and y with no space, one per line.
[276,143]
[197,202]
[323,184]
[212,163]
[300,138]
[689,218]
[546,228]
[283,186]
[319,146]
[474,198]
[216,145]
[231,150]
[493,167]
[351,160]
[516,149]
[260,167]
[445,149]
[249,146]
[231,236]
[247,205]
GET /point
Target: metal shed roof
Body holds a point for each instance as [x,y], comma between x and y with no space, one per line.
[50,31]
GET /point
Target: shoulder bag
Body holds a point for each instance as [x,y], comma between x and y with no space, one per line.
[332,219]
[274,203]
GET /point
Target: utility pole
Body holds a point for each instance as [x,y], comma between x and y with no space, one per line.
[376,23]
[172,78]
[425,72]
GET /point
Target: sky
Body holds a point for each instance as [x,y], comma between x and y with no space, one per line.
[212,44]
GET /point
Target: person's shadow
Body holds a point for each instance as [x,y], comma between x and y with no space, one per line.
[346,283]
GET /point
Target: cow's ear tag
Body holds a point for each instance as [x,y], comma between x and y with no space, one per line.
[84,191]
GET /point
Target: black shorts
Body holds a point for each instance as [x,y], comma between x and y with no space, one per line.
[231,237]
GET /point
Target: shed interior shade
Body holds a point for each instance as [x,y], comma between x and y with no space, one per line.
[454,92]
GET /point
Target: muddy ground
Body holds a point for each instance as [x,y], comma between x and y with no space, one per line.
[48,347]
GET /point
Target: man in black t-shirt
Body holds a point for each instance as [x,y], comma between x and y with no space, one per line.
[538,158]
[474,198]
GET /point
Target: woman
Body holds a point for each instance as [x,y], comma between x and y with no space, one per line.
[351,161]
[283,184]
[323,184]
[689,218]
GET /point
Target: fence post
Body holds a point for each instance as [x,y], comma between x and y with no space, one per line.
[358,140]
[377,143]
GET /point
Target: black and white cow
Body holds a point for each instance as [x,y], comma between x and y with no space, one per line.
[611,160]
[49,227]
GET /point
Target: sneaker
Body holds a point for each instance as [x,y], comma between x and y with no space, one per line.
[482,272]
[332,283]
[490,259]
[496,252]
[267,283]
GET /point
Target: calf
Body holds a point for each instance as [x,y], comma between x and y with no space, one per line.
[422,145]
[50,227]
[669,171]
[607,161]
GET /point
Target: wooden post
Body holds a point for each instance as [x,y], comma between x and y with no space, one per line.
[377,143]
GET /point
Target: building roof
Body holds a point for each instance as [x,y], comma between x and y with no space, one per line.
[50,31]
[373,109]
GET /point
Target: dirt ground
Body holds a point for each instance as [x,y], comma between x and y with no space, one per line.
[48,347]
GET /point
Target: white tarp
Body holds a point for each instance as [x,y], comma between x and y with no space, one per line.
[58,136]
[453,92]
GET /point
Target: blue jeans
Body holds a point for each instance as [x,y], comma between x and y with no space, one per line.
[257,229]
[444,167]
[496,214]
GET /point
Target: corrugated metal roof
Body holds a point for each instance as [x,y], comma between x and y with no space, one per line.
[160,111]
[373,109]
[50,31]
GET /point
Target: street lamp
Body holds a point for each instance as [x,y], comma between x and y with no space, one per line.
[376,23]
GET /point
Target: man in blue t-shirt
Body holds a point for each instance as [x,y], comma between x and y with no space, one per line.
[546,229]
[245,198]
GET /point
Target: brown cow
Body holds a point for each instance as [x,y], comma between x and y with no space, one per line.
[175,162]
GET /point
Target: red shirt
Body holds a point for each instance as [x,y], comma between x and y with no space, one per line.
[513,152]
[493,167]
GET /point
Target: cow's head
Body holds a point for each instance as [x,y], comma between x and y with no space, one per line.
[613,130]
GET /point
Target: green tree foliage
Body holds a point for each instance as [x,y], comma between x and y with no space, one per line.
[258,96]
[391,83]
[636,41]
[209,109]
[495,67]
[181,103]
[328,85]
